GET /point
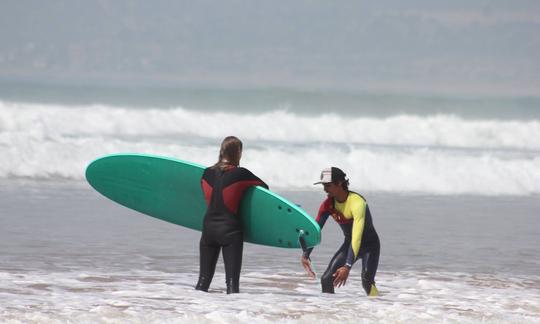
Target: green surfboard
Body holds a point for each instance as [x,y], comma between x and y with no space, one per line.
[170,189]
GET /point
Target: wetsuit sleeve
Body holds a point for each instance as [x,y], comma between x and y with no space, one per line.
[256,181]
[322,216]
[359,219]
[207,184]
[238,181]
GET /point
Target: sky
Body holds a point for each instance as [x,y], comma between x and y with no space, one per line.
[416,45]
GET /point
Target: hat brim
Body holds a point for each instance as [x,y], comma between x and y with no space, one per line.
[320,182]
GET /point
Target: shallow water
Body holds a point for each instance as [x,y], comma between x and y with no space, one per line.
[70,255]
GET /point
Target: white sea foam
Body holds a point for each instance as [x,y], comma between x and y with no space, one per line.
[436,154]
[283,297]
[438,130]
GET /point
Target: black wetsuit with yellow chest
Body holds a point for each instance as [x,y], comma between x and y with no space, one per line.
[222,227]
[361,240]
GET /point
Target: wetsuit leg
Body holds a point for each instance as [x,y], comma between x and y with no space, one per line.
[232,259]
[370,262]
[209,253]
[339,259]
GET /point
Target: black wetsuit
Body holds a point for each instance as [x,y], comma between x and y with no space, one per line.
[361,239]
[222,227]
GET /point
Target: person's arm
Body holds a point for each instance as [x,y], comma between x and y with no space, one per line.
[256,181]
[322,216]
[359,218]
[206,185]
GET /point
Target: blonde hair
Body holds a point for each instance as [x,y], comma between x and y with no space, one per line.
[229,153]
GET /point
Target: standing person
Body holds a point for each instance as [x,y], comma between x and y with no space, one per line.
[350,210]
[223,185]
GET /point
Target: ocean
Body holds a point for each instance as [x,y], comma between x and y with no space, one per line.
[453,183]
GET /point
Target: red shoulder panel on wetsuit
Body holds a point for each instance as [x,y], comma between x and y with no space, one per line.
[327,207]
[233,193]
[207,190]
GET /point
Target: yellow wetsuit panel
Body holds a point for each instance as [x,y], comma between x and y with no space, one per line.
[354,208]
